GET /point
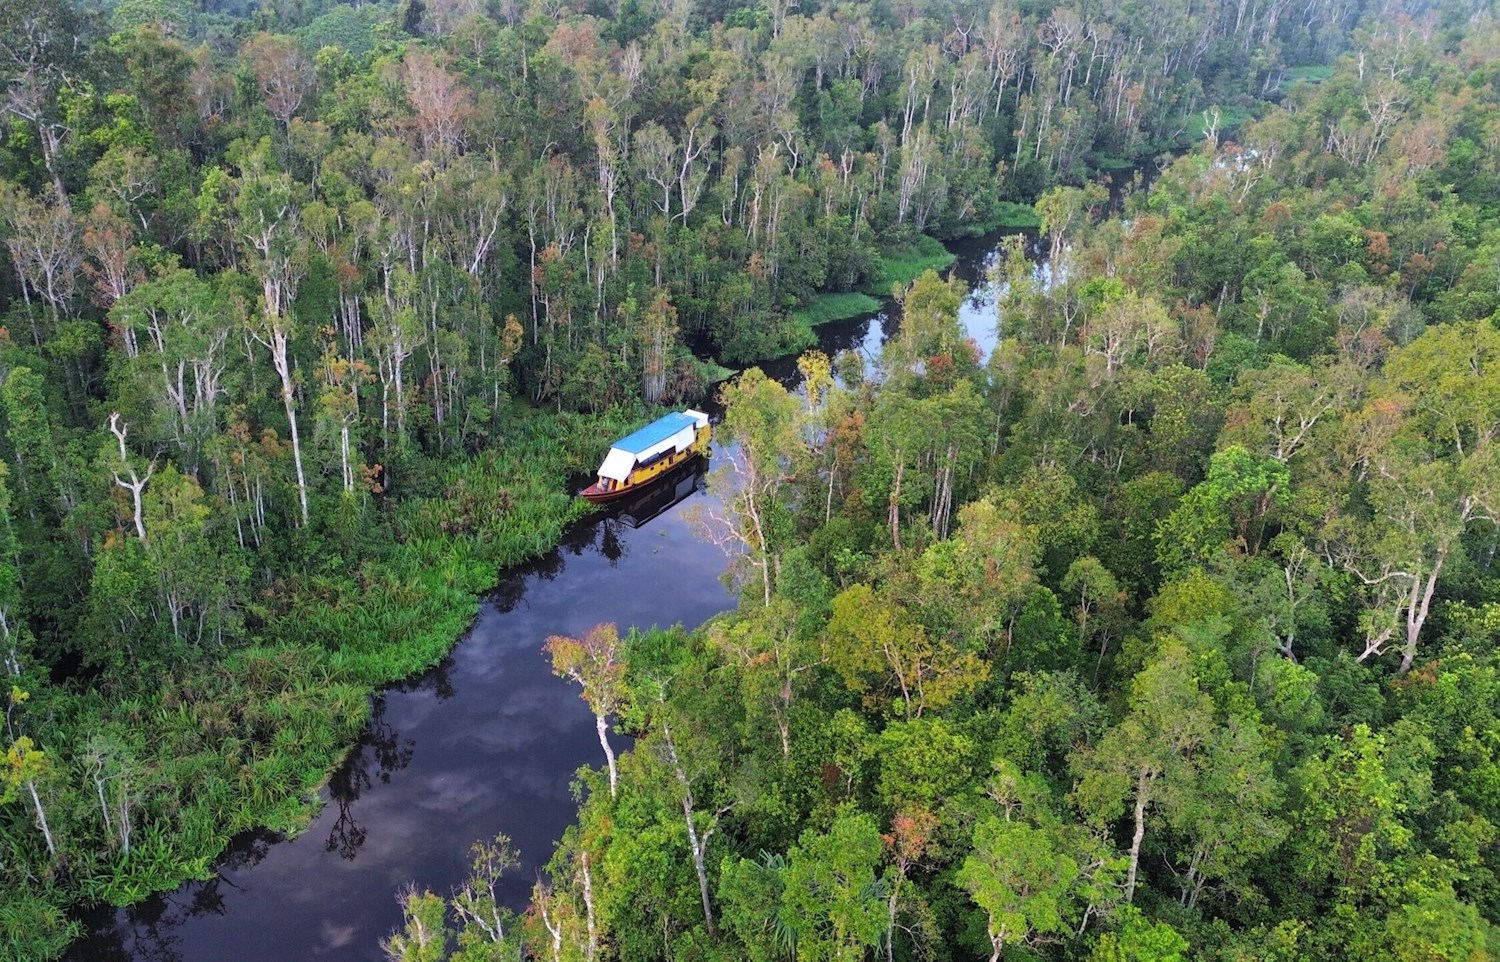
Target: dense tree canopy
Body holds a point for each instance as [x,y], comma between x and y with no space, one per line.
[1203,666]
[1166,628]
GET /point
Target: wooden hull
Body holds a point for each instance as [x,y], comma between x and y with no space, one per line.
[643,476]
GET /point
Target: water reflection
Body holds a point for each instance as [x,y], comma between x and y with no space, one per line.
[866,334]
[604,533]
[151,931]
[671,490]
[389,752]
[347,836]
[487,742]
[500,737]
[438,680]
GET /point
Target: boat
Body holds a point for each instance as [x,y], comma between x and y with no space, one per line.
[637,459]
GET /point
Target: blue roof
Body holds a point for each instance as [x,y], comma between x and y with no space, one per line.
[655,433]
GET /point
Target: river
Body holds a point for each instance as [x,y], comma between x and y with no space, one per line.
[976,315]
[487,742]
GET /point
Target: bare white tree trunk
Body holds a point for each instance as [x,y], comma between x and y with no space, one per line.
[541,897]
[41,818]
[588,905]
[1143,784]
[694,842]
[277,342]
[98,778]
[609,753]
[137,484]
[344,456]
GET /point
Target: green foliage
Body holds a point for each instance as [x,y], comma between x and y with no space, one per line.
[281,304]
[425,936]
[751,893]
[832,898]
[900,265]
[1020,879]
[32,926]
[825,308]
[1237,445]
[1221,118]
[1140,940]
[1353,798]
[1229,507]
[1312,74]
[1012,215]
[346,28]
[1438,928]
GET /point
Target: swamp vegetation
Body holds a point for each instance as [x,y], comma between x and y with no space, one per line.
[1166,630]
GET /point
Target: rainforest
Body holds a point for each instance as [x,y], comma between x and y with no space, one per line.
[1157,623]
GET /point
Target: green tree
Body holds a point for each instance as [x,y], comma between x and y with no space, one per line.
[29,428]
[761,422]
[1148,760]
[974,586]
[176,331]
[1140,940]
[424,933]
[930,347]
[1097,603]
[750,894]
[1438,928]
[1022,879]
[268,213]
[26,766]
[833,898]
[596,663]
[774,659]
[1427,440]
[925,447]
[1228,818]
[200,580]
[876,647]
[1349,819]
[1229,507]
[486,926]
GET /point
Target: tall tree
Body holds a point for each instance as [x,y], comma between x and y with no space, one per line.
[26,765]
[132,480]
[282,72]
[873,643]
[833,893]
[1148,761]
[596,663]
[46,250]
[1426,445]
[268,223]
[761,424]
[1022,879]
[44,45]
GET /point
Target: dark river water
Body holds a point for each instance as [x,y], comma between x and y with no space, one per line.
[487,742]
[976,314]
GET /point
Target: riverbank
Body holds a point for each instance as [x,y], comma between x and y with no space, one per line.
[487,741]
[454,538]
[339,634]
[902,264]
[897,267]
[256,734]
[248,740]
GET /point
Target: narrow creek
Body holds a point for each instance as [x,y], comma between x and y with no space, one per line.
[486,742]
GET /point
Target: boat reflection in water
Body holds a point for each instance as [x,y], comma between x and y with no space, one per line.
[658,497]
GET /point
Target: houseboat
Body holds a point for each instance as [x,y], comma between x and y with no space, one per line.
[640,458]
